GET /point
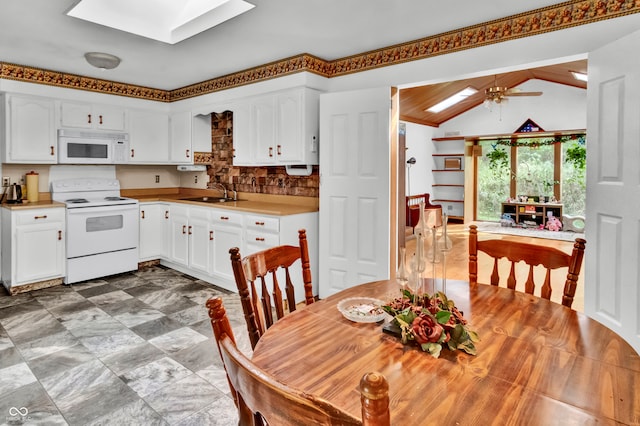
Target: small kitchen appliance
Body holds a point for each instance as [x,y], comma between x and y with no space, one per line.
[15,194]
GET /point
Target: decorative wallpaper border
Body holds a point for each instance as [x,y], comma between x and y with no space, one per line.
[552,18]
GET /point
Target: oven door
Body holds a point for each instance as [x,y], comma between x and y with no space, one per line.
[101,229]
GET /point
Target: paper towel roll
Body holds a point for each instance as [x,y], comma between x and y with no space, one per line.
[32,186]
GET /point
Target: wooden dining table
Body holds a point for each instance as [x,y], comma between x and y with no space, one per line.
[537,363]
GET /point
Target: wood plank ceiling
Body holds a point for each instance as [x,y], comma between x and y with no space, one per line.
[414,101]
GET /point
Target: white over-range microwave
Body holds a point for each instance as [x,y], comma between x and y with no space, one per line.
[87,147]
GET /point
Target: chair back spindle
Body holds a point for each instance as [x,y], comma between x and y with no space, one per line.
[533,255]
[259,283]
[262,400]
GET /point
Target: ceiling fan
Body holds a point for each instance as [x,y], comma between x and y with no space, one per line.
[498,94]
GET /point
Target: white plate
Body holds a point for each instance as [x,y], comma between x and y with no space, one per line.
[362,309]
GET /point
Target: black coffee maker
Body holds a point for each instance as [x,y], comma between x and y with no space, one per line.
[14,195]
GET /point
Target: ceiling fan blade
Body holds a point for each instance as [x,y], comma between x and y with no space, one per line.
[508,93]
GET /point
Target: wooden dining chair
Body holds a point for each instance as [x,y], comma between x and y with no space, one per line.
[259,309]
[261,399]
[533,255]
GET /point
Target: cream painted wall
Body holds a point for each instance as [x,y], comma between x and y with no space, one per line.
[419,145]
[130,176]
[133,177]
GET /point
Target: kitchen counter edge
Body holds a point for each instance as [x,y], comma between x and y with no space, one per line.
[45,204]
[260,207]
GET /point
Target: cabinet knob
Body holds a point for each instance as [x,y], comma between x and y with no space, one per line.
[187,153]
[59,235]
[189,229]
[279,151]
[184,229]
[166,214]
[40,217]
[259,239]
[142,213]
[260,223]
[89,118]
[224,217]
[53,151]
[270,151]
[133,152]
[210,235]
[100,119]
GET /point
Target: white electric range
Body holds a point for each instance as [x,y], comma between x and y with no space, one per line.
[102,228]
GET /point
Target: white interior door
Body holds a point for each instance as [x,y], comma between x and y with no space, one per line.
[354,188]
[613,188]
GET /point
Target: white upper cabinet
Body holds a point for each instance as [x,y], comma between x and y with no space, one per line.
[279,128]
[29,130]
[263,129]
[148,137]
[92,116]
[242,149]
[180,128]
[188,133]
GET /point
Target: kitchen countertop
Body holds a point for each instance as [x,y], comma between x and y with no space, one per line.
[251,203]
[42,204]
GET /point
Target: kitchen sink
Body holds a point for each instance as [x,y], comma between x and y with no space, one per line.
[211,200]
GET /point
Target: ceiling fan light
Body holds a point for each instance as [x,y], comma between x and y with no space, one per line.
[104,61]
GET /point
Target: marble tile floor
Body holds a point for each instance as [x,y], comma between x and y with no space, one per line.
[131,349]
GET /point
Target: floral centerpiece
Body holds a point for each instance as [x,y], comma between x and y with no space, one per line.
[432,322]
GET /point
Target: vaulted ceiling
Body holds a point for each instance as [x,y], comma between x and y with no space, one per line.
[414,101]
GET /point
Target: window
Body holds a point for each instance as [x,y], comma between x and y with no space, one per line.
[533,167]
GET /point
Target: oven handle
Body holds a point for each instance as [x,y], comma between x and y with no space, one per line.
[117,208]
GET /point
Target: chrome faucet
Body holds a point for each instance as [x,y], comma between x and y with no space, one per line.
[219,186]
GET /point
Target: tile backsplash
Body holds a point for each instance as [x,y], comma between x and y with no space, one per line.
[264,180]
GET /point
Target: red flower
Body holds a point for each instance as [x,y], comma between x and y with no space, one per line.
[426,329]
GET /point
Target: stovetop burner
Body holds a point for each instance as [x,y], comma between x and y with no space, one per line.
[90,192]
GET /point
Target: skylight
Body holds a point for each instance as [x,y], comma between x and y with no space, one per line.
[580,76]
[168,21]
[452,100]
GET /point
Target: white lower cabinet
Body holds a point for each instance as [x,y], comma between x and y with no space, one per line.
[198,239]
[32,245]
[227,233]
[154,219]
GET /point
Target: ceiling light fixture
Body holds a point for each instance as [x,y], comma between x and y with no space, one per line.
[580,76]
[104,61]
[452,100]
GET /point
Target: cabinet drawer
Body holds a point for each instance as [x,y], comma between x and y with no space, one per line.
[30,217]
[266,223]
[257,238]
[226,217]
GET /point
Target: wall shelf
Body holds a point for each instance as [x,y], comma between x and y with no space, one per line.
[447,188]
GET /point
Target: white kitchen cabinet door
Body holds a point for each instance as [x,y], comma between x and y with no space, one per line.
[263,129]
[29,130]
[180,130]
[148,137]
[201,140]
[33,246]
[178,246]
[39,252]
[225,237]
[152,226]
[200,240]
[92,116]
[242,148]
